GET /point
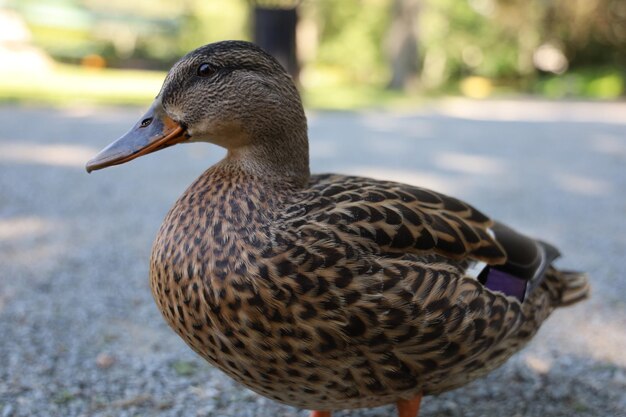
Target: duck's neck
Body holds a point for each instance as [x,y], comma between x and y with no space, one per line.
[276,165]
[277,148]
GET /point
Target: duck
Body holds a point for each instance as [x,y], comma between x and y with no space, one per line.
[326,292]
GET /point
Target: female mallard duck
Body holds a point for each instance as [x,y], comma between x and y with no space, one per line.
[327,291]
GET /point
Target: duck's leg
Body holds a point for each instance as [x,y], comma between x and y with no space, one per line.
[316,413]
[409,408]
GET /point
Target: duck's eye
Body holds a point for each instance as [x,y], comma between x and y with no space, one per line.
[205,70]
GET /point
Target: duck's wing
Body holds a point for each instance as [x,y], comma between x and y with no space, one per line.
[402,218]
[398,219]
[377,275]
[411,308]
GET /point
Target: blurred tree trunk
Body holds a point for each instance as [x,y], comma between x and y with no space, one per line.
[401,44]
[275,32]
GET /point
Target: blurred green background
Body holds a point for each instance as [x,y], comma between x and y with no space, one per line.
[352,53]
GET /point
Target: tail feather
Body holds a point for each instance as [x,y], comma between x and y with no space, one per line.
[572,287]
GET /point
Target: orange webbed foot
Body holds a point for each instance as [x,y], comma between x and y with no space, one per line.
[317,413]
[409,408]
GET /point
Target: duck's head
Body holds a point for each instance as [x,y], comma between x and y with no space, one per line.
[229,93]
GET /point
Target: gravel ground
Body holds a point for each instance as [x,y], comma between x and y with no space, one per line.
[81,336]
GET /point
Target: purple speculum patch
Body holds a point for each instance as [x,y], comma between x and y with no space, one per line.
[508,284]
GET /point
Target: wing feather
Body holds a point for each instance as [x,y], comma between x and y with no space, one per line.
[402,218]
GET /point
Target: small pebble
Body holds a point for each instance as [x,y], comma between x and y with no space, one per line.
[105,361]
[541,366]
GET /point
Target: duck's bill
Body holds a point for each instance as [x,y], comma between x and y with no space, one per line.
[154,131]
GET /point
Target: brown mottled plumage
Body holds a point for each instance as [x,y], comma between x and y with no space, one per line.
[326,291]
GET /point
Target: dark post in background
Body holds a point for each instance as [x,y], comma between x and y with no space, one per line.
[274,24]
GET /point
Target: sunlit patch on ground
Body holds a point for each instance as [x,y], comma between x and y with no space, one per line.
[533,111]
[413,177]
[57,155]
[606,340]
[24,227]
[469,164]
[583,185]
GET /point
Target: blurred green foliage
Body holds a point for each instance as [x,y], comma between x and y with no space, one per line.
[602,83]
[350,37]
[533,46]
[500,39]
[557,48]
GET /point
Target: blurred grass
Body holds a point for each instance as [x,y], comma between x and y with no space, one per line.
[67,85]
[348,97]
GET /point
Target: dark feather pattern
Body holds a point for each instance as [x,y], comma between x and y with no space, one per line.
[349,293]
